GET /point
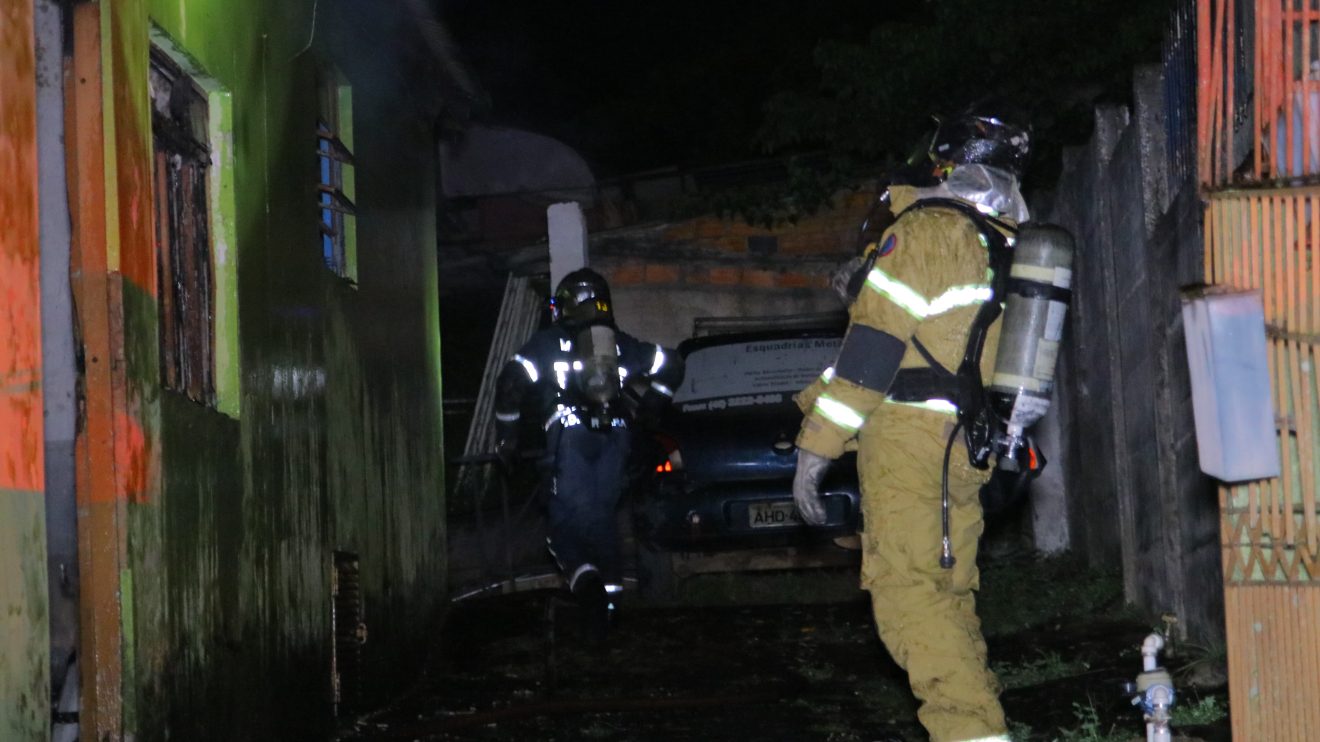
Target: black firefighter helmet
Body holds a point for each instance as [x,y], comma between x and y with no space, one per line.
[582,298]
[985,134]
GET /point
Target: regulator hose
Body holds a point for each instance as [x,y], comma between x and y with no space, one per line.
[947,559]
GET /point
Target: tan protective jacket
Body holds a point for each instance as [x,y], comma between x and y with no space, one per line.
[929,284]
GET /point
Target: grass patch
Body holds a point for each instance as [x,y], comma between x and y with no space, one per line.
[1025,592]
[1018,731]
[816,673]
[1193,662]
[1090,729]
[600,729]
[1208,710]
[1043,669]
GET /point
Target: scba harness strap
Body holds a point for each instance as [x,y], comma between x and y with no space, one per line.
[965,387]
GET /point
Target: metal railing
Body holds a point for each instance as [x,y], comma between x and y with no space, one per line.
[1258,136]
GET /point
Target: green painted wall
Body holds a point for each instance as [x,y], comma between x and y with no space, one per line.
[335,438]
[24,660]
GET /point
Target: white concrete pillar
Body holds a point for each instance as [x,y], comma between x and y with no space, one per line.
[568,240]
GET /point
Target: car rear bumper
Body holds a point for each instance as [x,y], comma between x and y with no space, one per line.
[739,515]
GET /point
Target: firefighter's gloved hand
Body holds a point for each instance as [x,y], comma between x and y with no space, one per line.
[811,470]
[506,451]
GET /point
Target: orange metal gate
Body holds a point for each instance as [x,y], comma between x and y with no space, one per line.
[1270,530]
[1259,163]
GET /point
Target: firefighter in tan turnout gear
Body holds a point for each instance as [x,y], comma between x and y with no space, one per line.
[917,297]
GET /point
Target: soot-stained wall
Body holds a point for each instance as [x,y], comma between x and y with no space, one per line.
[327,431]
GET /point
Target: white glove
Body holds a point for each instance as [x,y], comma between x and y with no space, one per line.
[811,469]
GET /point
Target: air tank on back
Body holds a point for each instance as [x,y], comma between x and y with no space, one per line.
[598,372]
[1039,291]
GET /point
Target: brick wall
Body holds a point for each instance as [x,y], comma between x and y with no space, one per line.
[665,277]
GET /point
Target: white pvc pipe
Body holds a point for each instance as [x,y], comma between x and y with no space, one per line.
[1150,652]
[1157,725]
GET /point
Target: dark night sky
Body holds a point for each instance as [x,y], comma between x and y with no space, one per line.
[634,86]
[639,85]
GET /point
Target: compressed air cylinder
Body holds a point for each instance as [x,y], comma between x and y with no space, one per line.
[1039,291]
[598,376]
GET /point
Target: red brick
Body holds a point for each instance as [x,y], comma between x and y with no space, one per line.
[662,273]
[759,278]
[627,274]
[725,275]
[681,231]
[793,280]
[799,244]
[732,244]
[709,227]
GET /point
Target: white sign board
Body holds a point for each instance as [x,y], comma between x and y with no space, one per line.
[752,373]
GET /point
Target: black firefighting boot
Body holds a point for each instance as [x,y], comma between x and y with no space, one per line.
[594,603]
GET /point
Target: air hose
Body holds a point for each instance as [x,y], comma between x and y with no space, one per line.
[947,559]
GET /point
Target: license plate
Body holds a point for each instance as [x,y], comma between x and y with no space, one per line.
[773,515]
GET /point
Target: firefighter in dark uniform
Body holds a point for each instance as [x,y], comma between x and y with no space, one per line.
[575,375]
[918,293]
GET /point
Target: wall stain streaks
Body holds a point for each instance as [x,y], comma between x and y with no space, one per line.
[336,442]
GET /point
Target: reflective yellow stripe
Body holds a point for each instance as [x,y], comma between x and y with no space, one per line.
[942,406]
[916,305]
[960,296]
[827,375]
[839,413]
[898,292]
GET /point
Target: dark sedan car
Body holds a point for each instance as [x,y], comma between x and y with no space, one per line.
[724,469]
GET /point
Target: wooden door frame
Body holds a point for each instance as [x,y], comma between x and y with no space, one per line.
[98,312]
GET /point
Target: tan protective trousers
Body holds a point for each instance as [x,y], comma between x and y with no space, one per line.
[926,615]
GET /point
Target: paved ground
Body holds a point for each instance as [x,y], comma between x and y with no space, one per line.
[707,668]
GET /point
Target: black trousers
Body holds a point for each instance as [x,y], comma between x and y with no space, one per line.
[587,477]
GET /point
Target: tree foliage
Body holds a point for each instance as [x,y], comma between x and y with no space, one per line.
[1054,58]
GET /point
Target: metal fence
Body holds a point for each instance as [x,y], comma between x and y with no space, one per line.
[1259,156]
[1258,74]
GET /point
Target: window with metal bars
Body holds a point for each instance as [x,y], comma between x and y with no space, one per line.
[334,190]
[184,270]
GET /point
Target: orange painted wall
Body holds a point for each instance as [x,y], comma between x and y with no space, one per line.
[24,640]
[20,289]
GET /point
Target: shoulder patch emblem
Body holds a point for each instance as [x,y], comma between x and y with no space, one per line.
[889,244]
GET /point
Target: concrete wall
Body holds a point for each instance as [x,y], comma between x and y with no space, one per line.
[24,656]
[1134,497]
[327,435]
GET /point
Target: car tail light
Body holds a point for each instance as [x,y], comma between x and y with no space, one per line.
[673,460]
